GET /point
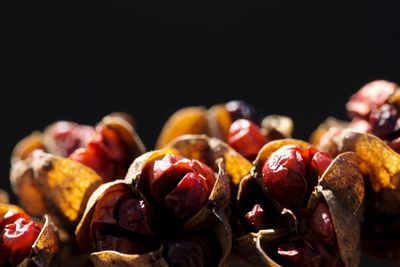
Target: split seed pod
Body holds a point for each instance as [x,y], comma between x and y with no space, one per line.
[48,184]
[302,222]
[37,241]
[177,207]
[108,148]
[381,167]
[217,120]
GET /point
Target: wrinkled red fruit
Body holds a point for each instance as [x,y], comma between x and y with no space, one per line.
[246,138]
[69,136]
[283,175]
[182,253]
[10,217]
[292,172]
[255,217]
[321,224]
[17,240]
[179,184]
[105,153]
[383,121]
[299,254]
[370,97]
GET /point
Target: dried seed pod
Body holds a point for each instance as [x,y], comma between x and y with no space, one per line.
[318,228]
[108,148]
[217,120]
[190,120]
[25,242]
[50,184]
[161,186]
[381,167]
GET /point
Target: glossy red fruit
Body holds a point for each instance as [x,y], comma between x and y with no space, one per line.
[284,177]
[255,217]
[179,184]
[319,163]
[246,138]
[18,238]
[188,196]
[321,224]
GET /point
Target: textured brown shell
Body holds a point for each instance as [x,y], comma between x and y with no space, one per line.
[277,127]
[190,120]
[46,247]
[51,184]
[378,161]
[219,121]
[342,186]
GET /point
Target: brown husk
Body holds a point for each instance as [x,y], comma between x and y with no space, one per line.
[277,127]
[190,120]
[26,146]
[50,184]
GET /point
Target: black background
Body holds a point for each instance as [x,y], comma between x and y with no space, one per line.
[299,58]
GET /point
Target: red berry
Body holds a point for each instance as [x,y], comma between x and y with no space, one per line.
[283,175]
[18,239]
[255,217]
[246,138]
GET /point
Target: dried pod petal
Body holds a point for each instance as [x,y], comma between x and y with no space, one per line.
[324,137]
[277,127]
[191,120]
[122,123]
[379,162]
[219,121]
[208,150]
[45,249]
[26,146]
[3,196]
[50,184]
[113,258]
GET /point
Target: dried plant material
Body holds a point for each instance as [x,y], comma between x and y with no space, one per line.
[199,230]
[50,184]
[191,120]
[113,258]
[4,197]
[46,248]
[26,242]
[26,146]
[320,227]
[379,162]
[277,127]
[123,124]
[219,121]
[208,150]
